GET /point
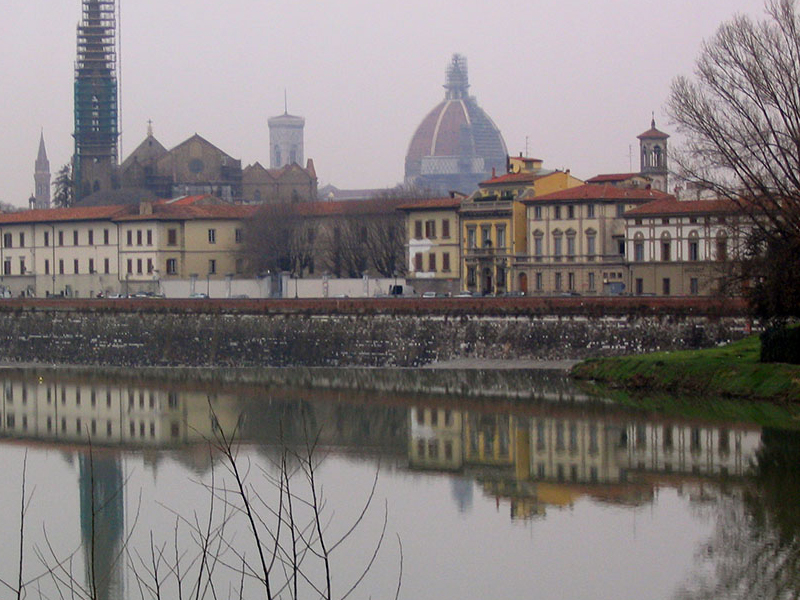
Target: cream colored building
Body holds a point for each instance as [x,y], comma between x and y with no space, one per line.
[576,240]
[82,252]
[682,247]
[110,413]
[69,251]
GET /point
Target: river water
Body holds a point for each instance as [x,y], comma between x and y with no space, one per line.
[467,485]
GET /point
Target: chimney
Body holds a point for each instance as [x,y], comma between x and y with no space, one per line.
[493,173]
[145,208]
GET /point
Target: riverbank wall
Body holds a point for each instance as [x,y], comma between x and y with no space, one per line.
[405,333]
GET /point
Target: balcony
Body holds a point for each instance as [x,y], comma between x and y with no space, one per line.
[487,252]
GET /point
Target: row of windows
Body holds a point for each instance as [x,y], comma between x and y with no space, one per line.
[62,267]
[430,229]
[8,238]
[138,237]
[570,211]
[665,247]
[486,236]
[92,428]
[558,249]
[172,397]
[560,430]
[432,262]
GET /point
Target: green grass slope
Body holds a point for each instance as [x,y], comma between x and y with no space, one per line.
[731,371]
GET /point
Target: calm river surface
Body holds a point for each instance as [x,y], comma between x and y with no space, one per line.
[456,484]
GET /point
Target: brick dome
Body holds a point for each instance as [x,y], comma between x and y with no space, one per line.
[456,145]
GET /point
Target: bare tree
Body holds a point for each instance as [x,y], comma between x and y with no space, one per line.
[740,116]
[277,239]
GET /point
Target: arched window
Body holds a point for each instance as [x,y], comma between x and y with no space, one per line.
[666,247]
[722,246]
[638,247]
[278,156]
[694,246]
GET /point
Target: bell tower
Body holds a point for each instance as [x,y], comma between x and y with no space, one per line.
[653,156]
[96,114]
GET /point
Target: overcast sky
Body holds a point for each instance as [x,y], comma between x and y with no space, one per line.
[577,78]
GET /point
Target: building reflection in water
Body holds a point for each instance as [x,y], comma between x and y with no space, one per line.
[527,455]
[543,456]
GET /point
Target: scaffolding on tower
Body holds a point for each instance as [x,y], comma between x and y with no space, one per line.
[96,97]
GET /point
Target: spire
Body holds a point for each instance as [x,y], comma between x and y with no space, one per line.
[41,158]
[41,177]
[149,127]
[457,81]
[653,120]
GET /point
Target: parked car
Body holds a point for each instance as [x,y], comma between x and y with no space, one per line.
[464,295]
[198,295]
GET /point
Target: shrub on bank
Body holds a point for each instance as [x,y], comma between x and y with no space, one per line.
[781,344]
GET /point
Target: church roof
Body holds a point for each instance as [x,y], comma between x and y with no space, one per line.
[148,150]
[457,126]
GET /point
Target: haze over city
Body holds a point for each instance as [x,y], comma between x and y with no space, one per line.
[571,83]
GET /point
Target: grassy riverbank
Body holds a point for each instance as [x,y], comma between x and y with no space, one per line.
[731,371]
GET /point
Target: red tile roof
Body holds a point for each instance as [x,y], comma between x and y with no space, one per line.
[511,178]
[180,212]
[653,133]
[609,177]
[596,191]
[83,213]
[432,204]
[673,206]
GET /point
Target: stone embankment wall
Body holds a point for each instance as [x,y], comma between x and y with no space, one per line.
[356,333]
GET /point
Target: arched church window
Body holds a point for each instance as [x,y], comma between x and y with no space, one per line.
[277,156]
[657,156]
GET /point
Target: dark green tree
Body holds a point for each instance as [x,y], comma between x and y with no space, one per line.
[63,187]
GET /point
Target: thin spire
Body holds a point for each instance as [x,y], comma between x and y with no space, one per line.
[285,103]
[653,120]
[149,127]
[42,156]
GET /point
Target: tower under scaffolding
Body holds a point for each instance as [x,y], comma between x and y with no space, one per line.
[96,99]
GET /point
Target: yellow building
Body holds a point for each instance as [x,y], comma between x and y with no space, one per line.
[434,244]
[493,224]
[194,237]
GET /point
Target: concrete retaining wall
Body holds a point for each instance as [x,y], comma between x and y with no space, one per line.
[138,337]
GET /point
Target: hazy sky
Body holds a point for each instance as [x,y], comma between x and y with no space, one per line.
[577,78]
